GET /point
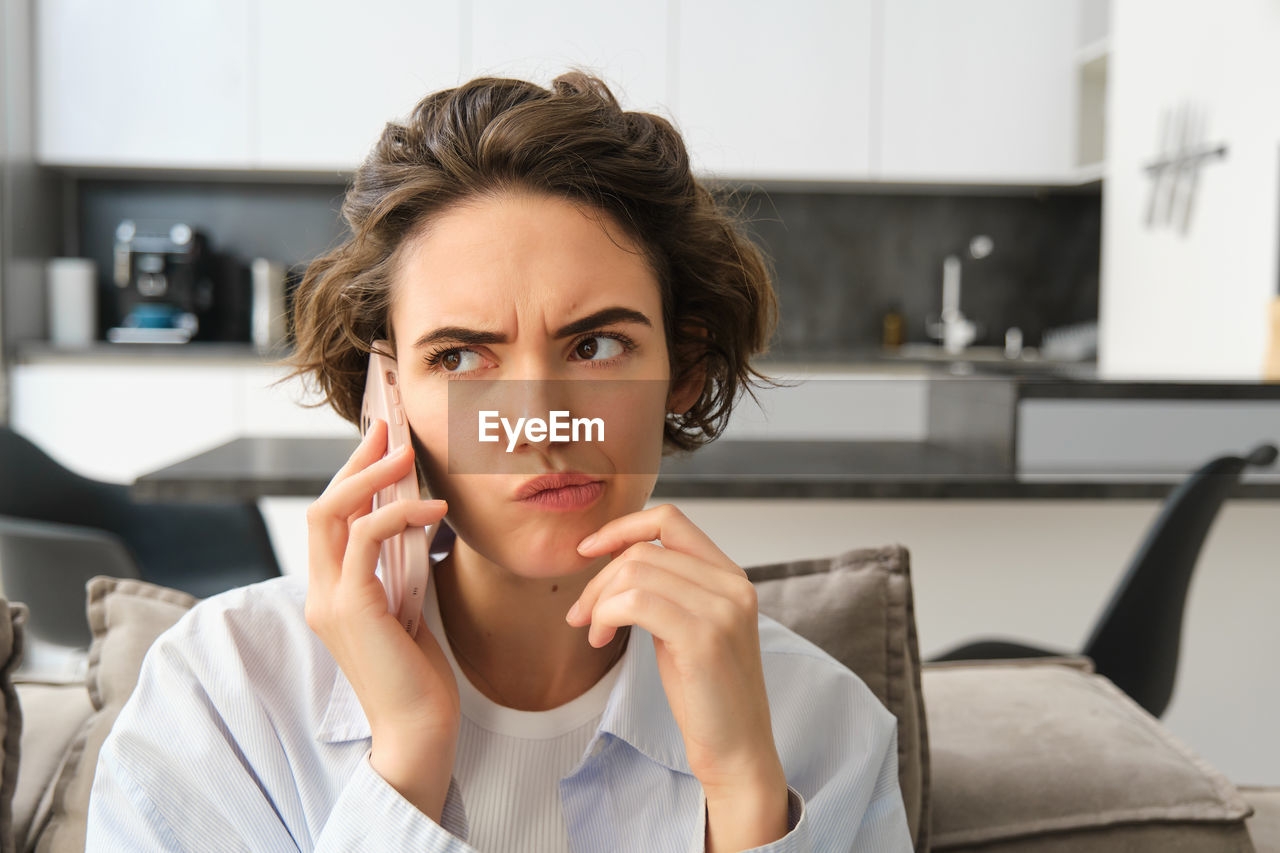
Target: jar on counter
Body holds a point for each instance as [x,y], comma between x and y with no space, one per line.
[891,327]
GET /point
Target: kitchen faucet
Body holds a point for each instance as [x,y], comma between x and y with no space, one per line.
[954,329]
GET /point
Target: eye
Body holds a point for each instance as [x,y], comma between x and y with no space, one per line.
[599,347]
[454,360]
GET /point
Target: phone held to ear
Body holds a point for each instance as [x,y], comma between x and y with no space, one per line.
[403,556]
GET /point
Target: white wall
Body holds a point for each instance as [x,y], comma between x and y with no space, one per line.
[1194,305]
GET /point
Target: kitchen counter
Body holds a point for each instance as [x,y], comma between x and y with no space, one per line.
[870,427]
[252,467]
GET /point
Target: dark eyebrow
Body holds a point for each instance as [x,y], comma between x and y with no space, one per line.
[604,317]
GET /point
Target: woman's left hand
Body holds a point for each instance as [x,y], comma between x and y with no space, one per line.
[702,611]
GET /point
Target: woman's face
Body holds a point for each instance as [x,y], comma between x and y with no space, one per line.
[496,289]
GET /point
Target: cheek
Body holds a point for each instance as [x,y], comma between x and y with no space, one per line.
[429,428]
[634,412]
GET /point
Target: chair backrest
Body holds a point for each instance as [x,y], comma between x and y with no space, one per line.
[200,548]
[46,566]
[1135,642]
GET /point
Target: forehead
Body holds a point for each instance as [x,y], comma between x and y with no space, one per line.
[487,256]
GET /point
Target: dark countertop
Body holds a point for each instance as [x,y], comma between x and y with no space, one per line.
[252,467]
[1147,389]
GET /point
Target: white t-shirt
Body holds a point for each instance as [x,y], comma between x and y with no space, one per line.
[509,763]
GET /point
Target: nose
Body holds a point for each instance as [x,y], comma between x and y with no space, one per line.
[537,397]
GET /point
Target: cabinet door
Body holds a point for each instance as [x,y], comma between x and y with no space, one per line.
[286,408]
[114,422]
[977,90]
[332,74]
[775,90]
[143,83]
[625,43]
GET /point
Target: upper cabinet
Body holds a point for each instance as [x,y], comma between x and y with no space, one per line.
[776,90]
[331,75]
[141,83]
[625,43]
[927,91]
[977,91]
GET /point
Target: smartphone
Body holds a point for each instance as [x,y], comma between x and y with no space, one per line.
[403,557]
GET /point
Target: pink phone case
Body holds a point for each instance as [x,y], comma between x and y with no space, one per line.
[403,556]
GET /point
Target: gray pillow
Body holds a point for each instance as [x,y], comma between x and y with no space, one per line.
[13,617]
[857,606]
[126,617]
[1035,756]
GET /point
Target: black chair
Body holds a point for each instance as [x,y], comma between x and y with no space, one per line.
[1135,641]
[199,548]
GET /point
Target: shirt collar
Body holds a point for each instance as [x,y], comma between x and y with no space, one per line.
[637,711]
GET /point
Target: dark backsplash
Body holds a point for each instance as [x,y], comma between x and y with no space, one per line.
[841,259]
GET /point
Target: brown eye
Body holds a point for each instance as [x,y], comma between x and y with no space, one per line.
[587,349]
[450,360]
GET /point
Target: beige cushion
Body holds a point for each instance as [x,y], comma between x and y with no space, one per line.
[125,617]
[857,606]
[55,711]
[13,618]
[1030,757]
[1264,824]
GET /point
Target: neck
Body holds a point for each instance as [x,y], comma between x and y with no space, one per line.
[508,632]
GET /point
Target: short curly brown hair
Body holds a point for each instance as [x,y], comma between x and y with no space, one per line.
[574,141]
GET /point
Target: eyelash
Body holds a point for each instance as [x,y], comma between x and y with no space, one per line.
[434,357]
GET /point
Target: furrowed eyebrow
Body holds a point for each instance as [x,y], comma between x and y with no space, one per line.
[604,317]
[457,334]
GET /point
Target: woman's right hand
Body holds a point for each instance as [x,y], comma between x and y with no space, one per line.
[404,684]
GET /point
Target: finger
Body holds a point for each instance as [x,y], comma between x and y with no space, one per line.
[353,496]
[371,447]
[694,599]
[734,587]
[329,517]
[664,523]
[369,532]
[655,613]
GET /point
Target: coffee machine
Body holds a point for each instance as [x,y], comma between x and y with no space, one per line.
[172,287]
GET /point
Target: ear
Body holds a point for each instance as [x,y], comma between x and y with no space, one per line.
[685,393]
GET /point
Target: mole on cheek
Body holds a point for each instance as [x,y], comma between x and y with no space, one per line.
[554,587]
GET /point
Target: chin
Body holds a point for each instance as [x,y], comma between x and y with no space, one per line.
[543,545]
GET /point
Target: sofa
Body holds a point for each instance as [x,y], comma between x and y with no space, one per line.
[1016,756]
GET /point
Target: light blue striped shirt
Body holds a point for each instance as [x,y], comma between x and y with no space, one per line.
[243,734]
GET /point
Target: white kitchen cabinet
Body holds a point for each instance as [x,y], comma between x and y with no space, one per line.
[626,43]
[330,75]
[142,83]
[112,423]
[285,409]
[978,91]
[1139,439]
[115,420]
[945,91]
[776,90]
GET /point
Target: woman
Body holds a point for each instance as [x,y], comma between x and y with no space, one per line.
[592,675]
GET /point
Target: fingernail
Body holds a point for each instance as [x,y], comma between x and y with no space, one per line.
[585,544]
[573,613]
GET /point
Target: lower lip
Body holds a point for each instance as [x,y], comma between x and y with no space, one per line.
[566,497]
